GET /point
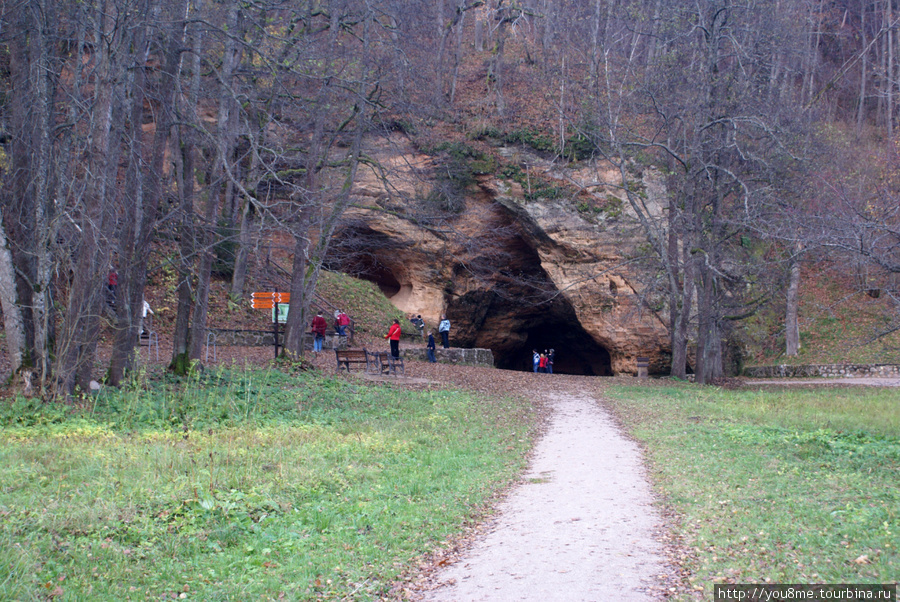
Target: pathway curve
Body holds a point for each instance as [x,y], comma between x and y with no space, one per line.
[582,526]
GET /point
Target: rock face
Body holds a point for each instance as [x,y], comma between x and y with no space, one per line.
[515,265]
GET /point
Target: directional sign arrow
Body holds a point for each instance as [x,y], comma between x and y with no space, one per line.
[271,297]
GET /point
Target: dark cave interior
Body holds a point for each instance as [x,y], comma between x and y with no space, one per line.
[575,352]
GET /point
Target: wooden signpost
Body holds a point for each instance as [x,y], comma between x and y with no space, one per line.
[277,303]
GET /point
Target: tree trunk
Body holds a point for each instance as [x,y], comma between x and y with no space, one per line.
[148,189]
[184,163]
[889,80]
[682,323]
[239,277]
[12,316]
[132,255]
[681,299]
[792,311]
[77,341]
[87,286]
[595,45]
[444,30]
[224,150]
[861,103]
[204,273]
[320,215]
[709,338]
[561,148]
[302,277]
[457,57]
[479,35]
[186,159]
[41,170]
[18,195]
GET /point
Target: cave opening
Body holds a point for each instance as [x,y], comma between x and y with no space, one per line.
[360,251]
[520,312]
[575,351]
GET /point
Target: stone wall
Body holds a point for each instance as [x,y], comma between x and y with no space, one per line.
[472,357]
[825,370]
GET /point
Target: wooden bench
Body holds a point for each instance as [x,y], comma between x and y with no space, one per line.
[385,363]
[394,364]
[345,357]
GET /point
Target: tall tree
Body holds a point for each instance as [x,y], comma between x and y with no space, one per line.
[338,110]
[703,108]
[144,180]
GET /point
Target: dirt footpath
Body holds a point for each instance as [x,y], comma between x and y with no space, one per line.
[582,526]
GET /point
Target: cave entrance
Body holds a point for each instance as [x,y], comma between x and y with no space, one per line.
[576,352]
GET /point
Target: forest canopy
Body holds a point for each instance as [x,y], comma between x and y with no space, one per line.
[205,126]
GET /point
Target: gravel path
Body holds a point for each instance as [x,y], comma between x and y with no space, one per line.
[581,527]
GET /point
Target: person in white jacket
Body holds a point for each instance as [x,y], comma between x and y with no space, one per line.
[444,329]
[146,310]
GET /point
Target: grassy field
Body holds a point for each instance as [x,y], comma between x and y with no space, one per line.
[244,485]
[775,486]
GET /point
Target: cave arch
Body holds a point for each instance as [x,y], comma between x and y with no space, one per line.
[576,352]
[507,303]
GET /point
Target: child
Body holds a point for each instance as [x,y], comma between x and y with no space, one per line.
[431,347]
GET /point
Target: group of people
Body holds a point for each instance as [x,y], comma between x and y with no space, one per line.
[342,321]
[543,362]
[320,325]
[419,323]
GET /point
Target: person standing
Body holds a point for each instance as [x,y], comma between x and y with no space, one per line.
[112,283]
[319,325]
[535,360]
[144,311]
[444,329]
[431,347]
[393,336]
[542,365]
[343,321]
[550,355]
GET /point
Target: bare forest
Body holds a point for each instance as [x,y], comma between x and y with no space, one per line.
[141,135]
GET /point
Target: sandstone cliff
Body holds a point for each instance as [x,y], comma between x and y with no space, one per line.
[531,256]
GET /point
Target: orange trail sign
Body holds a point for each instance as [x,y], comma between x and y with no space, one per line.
[272,296]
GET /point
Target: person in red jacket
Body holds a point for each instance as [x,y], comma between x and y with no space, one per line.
[394,336]
[319,325]
[343,321]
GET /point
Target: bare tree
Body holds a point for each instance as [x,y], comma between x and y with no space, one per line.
[857,220]
[702,111]
[12,315]
[144,175]
[338,112]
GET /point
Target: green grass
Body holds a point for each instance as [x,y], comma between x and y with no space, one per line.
[362,300]
[244,485]
[783,486]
